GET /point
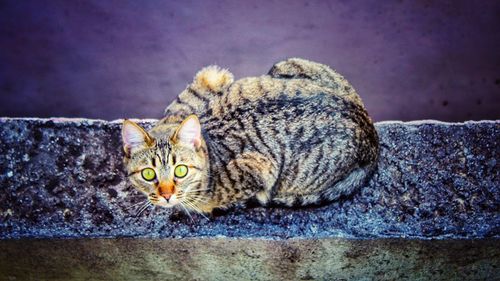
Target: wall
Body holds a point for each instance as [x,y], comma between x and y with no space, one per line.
[113,59]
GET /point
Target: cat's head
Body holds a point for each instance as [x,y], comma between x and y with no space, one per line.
[169,164]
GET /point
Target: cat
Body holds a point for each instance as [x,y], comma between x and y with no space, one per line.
[299,135]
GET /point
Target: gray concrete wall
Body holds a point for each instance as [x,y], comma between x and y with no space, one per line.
[225,259]
[115,59]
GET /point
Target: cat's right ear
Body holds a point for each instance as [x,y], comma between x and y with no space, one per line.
[189,132]
[134,137]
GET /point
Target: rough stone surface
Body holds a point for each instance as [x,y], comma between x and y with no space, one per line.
[63,178]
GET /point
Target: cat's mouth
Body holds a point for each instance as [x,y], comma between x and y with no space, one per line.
[166,202]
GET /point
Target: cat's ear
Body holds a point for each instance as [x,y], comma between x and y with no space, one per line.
[134,137]
[189,132]
[212,79]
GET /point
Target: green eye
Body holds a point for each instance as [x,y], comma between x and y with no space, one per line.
[180,171]
[148,174]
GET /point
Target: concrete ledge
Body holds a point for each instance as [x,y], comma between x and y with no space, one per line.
[63,178]
[248,259]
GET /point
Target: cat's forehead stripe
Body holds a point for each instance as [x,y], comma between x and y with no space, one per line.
[166,152]
[163,150]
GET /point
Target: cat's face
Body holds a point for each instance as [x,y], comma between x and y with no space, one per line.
[170,166]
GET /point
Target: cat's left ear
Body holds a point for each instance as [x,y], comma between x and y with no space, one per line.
[134,137]
[189,132]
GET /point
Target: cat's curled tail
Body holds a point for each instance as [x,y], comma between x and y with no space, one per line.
[296,68]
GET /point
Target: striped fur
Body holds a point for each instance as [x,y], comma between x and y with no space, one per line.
[299,135]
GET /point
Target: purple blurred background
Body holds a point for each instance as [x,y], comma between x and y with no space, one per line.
[113,59]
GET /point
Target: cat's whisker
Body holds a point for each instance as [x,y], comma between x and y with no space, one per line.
[139,209]
[197,181]
[199,198]
[195,190]
[152,211]
[195,207]
[135,205]
[197,201]
[194,199]
[201,213]
[189,190]
[190,204]
[194,195]
[143,208]
[187,211]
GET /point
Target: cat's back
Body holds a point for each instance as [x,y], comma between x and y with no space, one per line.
[315,134]
[294,114]
[295,93]
[268,96]
[214,95]
[302,116]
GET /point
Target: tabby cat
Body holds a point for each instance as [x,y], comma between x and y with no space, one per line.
[299,135]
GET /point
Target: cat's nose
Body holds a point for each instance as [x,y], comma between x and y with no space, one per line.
[166,189]
[166,195]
